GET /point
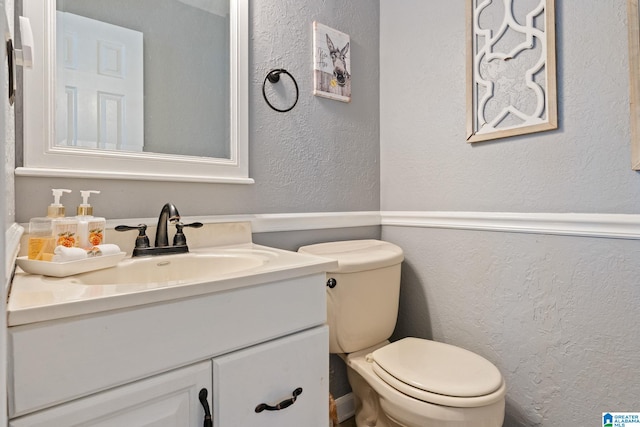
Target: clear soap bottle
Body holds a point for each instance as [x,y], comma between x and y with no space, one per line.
[42,242]
[90,228]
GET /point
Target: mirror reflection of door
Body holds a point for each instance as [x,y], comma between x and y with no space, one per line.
[100,85]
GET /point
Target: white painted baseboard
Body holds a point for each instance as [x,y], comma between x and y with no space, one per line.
[346,407]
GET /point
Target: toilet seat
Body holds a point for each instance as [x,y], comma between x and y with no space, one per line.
[438,373]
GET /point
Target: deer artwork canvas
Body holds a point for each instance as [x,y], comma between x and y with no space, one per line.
[331,63]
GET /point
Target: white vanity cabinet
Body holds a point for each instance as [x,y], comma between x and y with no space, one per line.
[144,365]
[267,374]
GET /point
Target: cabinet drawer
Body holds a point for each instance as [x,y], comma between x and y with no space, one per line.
[269,373]
[167,400]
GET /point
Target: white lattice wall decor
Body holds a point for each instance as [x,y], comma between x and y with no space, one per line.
[634,80]
[511,69]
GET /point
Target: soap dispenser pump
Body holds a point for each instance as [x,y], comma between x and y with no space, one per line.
[90,228]
[56,209]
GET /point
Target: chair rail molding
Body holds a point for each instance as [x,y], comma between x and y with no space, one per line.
[614,226]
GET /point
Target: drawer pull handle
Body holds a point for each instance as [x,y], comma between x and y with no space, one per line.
[282,405]
[207,413]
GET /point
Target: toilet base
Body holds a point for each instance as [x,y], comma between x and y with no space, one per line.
[379,405]
[367,404]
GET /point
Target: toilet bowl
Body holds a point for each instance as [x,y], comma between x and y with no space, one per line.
[412,382]
[461,390]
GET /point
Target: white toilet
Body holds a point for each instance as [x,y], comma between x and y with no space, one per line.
[411,382]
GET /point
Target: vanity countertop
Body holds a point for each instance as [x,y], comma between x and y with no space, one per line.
[36,298]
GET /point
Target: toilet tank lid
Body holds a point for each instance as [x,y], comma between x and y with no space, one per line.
[357,255]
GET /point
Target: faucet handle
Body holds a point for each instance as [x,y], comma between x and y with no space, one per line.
[179,239]
[142,241]
[192,225]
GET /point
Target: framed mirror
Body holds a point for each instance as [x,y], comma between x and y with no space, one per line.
[143,90]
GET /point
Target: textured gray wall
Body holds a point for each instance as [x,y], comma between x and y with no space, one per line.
[557,315]
[322,156]
[584,166]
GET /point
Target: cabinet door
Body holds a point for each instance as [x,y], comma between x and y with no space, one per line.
[166,400]
[269,374]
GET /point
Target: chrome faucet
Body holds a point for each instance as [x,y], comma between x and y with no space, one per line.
[168,214]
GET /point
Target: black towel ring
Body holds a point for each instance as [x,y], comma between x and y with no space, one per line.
[274,77]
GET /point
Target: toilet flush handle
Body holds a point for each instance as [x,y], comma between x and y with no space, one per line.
[332,283]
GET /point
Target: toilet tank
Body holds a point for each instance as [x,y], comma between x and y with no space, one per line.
[362,307]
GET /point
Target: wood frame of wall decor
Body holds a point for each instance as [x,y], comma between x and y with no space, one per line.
[545,116]
[634,81]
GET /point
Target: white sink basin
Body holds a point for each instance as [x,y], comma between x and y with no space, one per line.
[175,269]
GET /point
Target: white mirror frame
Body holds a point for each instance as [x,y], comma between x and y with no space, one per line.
[43,158]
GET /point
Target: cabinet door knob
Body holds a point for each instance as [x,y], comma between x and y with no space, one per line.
[282,405]
[207,413]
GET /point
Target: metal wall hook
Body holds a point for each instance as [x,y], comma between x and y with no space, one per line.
[274,77]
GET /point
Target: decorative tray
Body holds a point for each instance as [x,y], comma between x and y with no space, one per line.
[64,269]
